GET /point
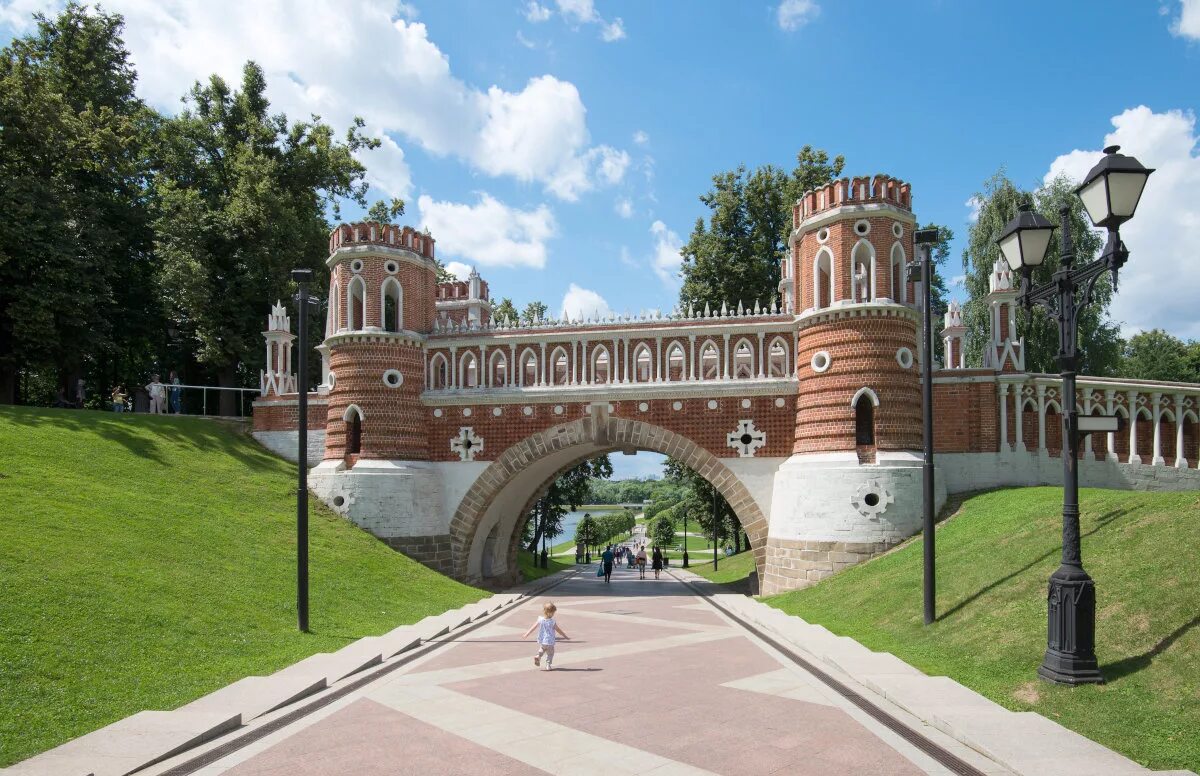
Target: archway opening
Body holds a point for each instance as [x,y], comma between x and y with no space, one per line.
[488,524]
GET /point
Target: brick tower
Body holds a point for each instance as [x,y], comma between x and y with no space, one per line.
[853,481]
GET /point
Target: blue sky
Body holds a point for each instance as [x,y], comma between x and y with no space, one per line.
[561,145]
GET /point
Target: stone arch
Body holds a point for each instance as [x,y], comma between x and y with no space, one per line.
[896,273]
[643,364]
[498,373]
[391,305]
[491,509]
[777,358]
[862,272]
[356,304]
[823,279]
[710,357]
[560,366]
[601,369]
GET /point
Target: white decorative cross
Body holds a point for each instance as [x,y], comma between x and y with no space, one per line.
[466,444]
[746,439]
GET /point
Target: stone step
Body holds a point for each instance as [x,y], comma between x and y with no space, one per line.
[335,666]
[130,744]
[256,695]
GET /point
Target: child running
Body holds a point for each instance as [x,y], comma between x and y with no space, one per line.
[546,628]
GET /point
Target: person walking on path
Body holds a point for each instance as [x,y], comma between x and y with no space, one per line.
[641,562]
[657,561]
[607,560]
[547,629]
[158,396]
[176,392]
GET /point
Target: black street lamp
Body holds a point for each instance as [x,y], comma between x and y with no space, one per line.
[1110,195]
[716,531]
[685,538]
[302,277]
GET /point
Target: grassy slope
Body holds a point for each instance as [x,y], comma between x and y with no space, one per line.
[993,561]
[145,561]
[729,570]
[525,562]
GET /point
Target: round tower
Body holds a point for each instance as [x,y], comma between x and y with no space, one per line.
[852,487]
[382,287]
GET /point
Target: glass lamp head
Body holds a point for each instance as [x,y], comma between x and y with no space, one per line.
[1025,239]
[1111,190]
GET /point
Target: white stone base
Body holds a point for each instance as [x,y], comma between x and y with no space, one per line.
[977,471]
[286,444]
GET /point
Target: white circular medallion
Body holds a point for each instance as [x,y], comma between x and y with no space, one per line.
[745,404]
[391,268]
[897,229]
[862,227]
[497,411]
[780,402]
[643,406]
[712,404]
[356,265]
[332,381]
[904,357]
[438,412]
[820,361]
[822,235]
[466,412]
[677,406]
[558,409]
[528,411]
[393,379]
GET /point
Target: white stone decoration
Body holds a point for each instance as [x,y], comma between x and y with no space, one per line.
[392,378]
[558,409]
[497,411]
[904,357]
[643,406]
[780,402]
[822,235]
[356,266]
[677,405]
[438,412]
[391,268]
[712,404]
[466,444]
[746,439]
[871,499]
[862,227]
[897,229]
[527,410]
[745,404]
[820,361]
[332,380]
[466,412]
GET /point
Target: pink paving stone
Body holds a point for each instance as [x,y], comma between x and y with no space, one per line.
[368,739]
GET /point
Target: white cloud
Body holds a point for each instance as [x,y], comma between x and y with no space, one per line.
[405,88]
[458,269]
[578,11]
[535,12]
[407,10]
[958,281]
[641,138]
[666,258]
[583,303]
[1188,23]
[1157,287]
[626,258]
[615,31]
[526,42]
[794,14]
[976,204]
[623,207]
[489,233]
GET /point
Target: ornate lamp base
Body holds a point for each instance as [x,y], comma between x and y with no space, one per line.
[1071,629]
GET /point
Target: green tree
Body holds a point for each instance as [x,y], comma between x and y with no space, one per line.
[586,532]
[1099,340]
[1157,355]
[75,244]
[939,292]
[241,201]
[505,311]
[566,493]
[662,532]
[533,312]
[736,256]
[386,212]
[698,505]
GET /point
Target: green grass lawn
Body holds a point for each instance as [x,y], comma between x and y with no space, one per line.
[993,560]
[146,561]
[729,570]
[530,571]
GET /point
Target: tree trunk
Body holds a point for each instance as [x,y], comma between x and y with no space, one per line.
[8,385]
[228,401]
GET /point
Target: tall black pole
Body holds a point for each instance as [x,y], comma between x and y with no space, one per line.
[1071,599]
[302,277]
[716,532]
[930,586]
[685,538]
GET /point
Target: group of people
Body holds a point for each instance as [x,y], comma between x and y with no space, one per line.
[159,394]
[613,555]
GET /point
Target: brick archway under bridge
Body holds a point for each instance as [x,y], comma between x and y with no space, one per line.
[485,529]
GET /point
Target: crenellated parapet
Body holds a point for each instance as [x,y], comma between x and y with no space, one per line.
[880,189]
[365,233]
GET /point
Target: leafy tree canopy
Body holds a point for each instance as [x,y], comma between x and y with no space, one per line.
[564,495]
[1157,355]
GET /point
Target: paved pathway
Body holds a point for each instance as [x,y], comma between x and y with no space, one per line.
[653,680]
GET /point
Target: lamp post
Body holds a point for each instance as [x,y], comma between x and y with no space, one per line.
[1110,194]
[716,530]
[302,277]
[923,271]
[685,538]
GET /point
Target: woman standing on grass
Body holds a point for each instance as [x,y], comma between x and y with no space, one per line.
[657,561]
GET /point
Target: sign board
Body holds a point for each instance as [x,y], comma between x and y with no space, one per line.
[1099,423]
